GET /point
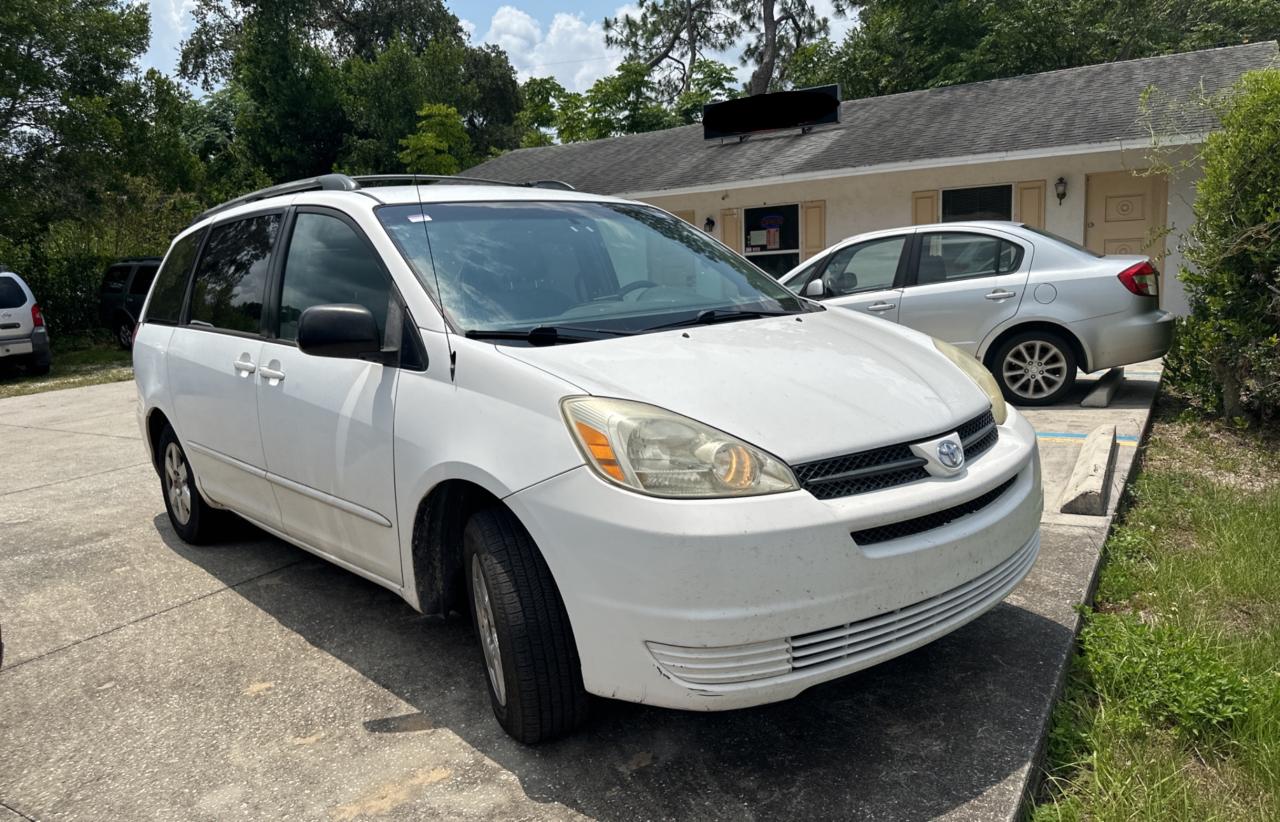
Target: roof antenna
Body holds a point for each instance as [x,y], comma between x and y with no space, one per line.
[435,274]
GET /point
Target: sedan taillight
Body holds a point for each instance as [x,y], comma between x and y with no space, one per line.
[1142,279]
[37,319]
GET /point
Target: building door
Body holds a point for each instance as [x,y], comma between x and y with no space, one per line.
[1124,213]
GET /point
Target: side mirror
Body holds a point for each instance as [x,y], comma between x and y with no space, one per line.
[814,289]
[338,331]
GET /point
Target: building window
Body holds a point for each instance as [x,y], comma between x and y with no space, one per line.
[772,237]
[981,203]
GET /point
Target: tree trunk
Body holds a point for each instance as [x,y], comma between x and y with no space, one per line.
[768,52]
[693,48]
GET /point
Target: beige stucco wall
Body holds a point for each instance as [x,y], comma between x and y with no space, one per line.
[866,202]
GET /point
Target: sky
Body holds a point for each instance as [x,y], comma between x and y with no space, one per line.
[563,38]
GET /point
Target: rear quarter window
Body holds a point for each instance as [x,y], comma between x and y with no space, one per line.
[11,294]
[171,281]
[113,283]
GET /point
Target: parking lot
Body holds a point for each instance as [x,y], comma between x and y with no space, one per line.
[145,678]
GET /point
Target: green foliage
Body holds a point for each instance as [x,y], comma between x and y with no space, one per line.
[440,145]
[712,82]
[904,45]
[1231,346]
[1163,675]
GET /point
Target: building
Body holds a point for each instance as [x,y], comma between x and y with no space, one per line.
[1066,151]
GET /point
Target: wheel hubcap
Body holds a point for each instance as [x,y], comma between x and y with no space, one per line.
[1035,369]
[488,630]
[126,335]
[176,483]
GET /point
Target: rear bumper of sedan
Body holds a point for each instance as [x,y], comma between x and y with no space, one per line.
[721,604]
[1121,339]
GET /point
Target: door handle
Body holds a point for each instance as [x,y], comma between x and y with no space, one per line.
[245,366]
[271,374]
[1001,295]
[880,306]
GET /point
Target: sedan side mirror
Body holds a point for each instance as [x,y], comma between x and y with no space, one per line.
[814,289]
[338,331]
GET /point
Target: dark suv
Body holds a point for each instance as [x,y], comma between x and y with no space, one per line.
[124,290]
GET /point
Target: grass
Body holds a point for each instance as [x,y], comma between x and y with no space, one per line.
[1172,707]
[82,359]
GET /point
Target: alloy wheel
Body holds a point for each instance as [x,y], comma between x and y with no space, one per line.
[177,483]
[488,630]
[1034,369]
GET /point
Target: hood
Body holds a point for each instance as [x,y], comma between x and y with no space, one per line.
[831,383]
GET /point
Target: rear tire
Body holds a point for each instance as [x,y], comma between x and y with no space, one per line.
[531,660]
[1034,368]
[124,334]
[38,367]
[191,516]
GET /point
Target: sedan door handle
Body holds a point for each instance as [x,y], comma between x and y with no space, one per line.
[880,306]
[271,374]
[1001,295]
[245,366]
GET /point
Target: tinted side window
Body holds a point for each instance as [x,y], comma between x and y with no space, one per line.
[231,277]
[11,295]
[954,256]
[142,279]
[328,262]
[113,283]
[171,282]
[868,266]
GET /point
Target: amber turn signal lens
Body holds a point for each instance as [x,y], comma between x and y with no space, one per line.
[598,444]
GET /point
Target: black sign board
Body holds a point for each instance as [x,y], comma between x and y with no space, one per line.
[801,108]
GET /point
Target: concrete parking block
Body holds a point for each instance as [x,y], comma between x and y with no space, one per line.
[1089,487]
[1104,389]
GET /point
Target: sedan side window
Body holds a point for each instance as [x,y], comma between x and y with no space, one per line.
[231,277]
[328,262]
[947,256]
[869,266]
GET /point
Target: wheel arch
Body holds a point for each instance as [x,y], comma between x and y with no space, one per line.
[436,547]
[156,423]
[989,348]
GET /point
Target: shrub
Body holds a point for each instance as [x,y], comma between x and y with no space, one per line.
[1230,346]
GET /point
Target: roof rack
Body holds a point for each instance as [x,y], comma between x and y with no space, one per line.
[342,182]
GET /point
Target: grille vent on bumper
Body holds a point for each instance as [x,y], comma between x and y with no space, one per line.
[937,519]
[861,641]
[891,465]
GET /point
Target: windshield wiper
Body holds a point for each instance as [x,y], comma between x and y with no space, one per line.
[721,315]
[546,334]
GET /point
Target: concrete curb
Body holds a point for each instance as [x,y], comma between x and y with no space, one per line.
[1087,490]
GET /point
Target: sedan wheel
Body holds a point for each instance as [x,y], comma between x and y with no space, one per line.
[1035,369]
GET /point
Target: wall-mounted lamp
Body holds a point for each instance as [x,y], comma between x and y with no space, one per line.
[709,226]
[1060,188]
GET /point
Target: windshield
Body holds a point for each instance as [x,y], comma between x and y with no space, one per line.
[603,267]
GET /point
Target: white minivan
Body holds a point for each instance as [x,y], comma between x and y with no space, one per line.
[649,471]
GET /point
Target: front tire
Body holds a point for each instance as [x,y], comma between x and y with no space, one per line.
[1035,368]
[190,515]
[531,660]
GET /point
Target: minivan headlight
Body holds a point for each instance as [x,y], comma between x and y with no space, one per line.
[979,374]
[655,451]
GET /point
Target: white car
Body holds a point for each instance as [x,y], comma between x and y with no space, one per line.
[648,470]
[24,340]
[1032,306]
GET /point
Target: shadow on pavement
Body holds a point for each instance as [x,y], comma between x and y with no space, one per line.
[910,739]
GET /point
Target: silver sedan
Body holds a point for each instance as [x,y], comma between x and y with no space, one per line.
[1032,306]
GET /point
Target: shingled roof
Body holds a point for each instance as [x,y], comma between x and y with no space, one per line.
[1067,108]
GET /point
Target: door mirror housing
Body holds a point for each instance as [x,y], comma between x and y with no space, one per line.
[814,289]
[339,330]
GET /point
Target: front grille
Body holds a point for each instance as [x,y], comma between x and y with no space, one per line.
[888,466]
[852,645]
[907,527]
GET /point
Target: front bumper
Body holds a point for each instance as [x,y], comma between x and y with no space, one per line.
[719,604]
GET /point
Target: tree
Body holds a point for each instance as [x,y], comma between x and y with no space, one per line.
[712,81]
[539,98]
[669,37]
[624,103]
[440,145]
[1228,350]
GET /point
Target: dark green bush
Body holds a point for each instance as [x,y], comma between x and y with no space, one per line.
[1229,348]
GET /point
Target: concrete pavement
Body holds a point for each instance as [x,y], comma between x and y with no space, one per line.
[148,679]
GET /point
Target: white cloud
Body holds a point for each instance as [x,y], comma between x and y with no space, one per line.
[468,28]
[571,49]
[170,23]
